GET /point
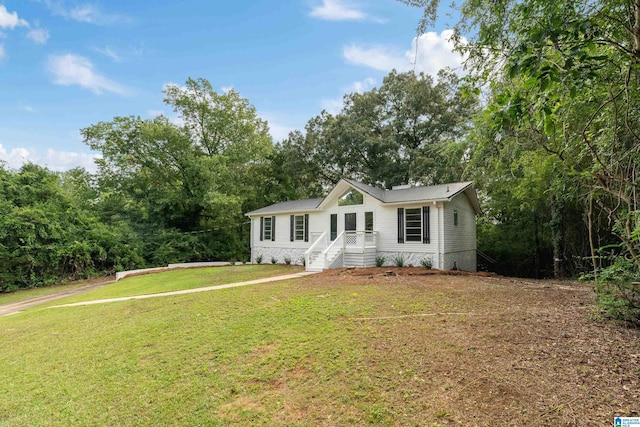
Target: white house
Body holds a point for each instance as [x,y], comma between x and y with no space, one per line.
[355,224]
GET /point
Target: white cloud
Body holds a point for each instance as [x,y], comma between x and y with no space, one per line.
[2,52]
[109,53]
[84,13]
[340,10]
[363,86]
[68,70]
[334,106]
[10,20]
[38,35]
[87,13]
[155,113]
[278,129]
[434,52]
[53,159]
[28,108]
[378,57]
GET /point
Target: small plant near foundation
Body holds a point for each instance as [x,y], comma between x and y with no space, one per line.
[426,263]
[399,260]
[273,260]
[259,259]
[380,259]
[287,260]
[303,261]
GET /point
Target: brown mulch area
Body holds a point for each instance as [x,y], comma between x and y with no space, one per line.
[479,349]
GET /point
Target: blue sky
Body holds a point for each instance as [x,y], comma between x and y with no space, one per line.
[67,64]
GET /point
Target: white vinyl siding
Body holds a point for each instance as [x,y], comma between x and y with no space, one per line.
[459,225]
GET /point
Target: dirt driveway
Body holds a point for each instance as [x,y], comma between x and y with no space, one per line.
[64,291]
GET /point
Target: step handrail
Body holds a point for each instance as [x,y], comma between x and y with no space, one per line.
[307,255]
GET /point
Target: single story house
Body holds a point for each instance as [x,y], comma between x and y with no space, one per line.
[357,225]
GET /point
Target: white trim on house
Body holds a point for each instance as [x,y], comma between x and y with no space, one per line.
[446,244]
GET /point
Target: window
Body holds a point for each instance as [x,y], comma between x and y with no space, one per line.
[368,221]
[268,228]
[455,218]
[334,226]
[350,198]
[350,222]
[299,227]
[413,225]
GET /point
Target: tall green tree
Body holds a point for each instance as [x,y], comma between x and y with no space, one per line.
[409,130]
[193,180]
[577,69]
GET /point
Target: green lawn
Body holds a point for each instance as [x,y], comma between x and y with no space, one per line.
[320,350]
[181,360]
[180,279]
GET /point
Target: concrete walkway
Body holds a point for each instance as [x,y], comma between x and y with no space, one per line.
[191,291]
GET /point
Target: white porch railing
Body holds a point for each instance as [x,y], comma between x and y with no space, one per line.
[355,240]
[320,241]
[324,254]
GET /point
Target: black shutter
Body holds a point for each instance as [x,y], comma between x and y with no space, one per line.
[261,228]
[291,227]
[306,227]
[400,225]
[426,235]
[273,228]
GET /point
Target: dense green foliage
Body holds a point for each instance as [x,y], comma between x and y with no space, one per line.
[560,136]
[49,231]
[185,187]
[406,131]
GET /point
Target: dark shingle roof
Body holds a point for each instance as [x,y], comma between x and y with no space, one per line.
[440,192]
[413,194]
[304,205]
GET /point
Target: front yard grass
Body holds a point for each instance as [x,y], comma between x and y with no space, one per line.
[332,349]
[180,279]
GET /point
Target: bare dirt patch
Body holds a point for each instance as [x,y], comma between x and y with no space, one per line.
[454,348]
[59,292]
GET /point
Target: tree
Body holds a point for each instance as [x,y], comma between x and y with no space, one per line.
[197,177]
[407,131]
[579,64]
[49,232]
[568,74]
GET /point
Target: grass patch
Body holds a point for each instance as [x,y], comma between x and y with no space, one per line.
[321,350]
[180,279]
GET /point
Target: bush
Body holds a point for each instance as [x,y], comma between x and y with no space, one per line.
[399,260]
[259,259]
[426,263]
[618,290]
[380,259]
[287,260]
[303,261]
[273,260]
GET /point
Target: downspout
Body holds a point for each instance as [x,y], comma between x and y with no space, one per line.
[440,208]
